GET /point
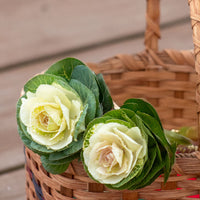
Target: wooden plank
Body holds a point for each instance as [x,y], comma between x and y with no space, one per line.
[11,82]
[177,37]
[12,185]
[34,29]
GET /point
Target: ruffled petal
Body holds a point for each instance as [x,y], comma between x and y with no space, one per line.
[26,109]
[76,110]
[42,138]
[118,153]
[62,143]
[65,111]
[136,135]
[48,92]
[71,95]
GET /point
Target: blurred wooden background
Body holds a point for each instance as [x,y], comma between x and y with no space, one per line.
[35,34]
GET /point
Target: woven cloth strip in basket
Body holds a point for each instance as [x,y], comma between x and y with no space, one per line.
[165,78]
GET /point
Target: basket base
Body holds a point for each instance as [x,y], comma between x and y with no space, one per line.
[75,184]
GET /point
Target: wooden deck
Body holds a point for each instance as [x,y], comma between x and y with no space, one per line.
[35,34]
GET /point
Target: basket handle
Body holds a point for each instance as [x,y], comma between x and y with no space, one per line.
[195,21]
[152,33]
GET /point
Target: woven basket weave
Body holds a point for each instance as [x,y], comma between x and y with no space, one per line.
[168,80]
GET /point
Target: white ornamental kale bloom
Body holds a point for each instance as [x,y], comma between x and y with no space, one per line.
[56,108]
[112,151]
[50,115]
[127,148]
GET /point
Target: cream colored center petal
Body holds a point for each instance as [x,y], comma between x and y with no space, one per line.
[106,158]
[54,113]
[45,131]
[42,118]
[110,156]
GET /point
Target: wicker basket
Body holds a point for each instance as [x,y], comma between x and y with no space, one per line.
[168,80]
